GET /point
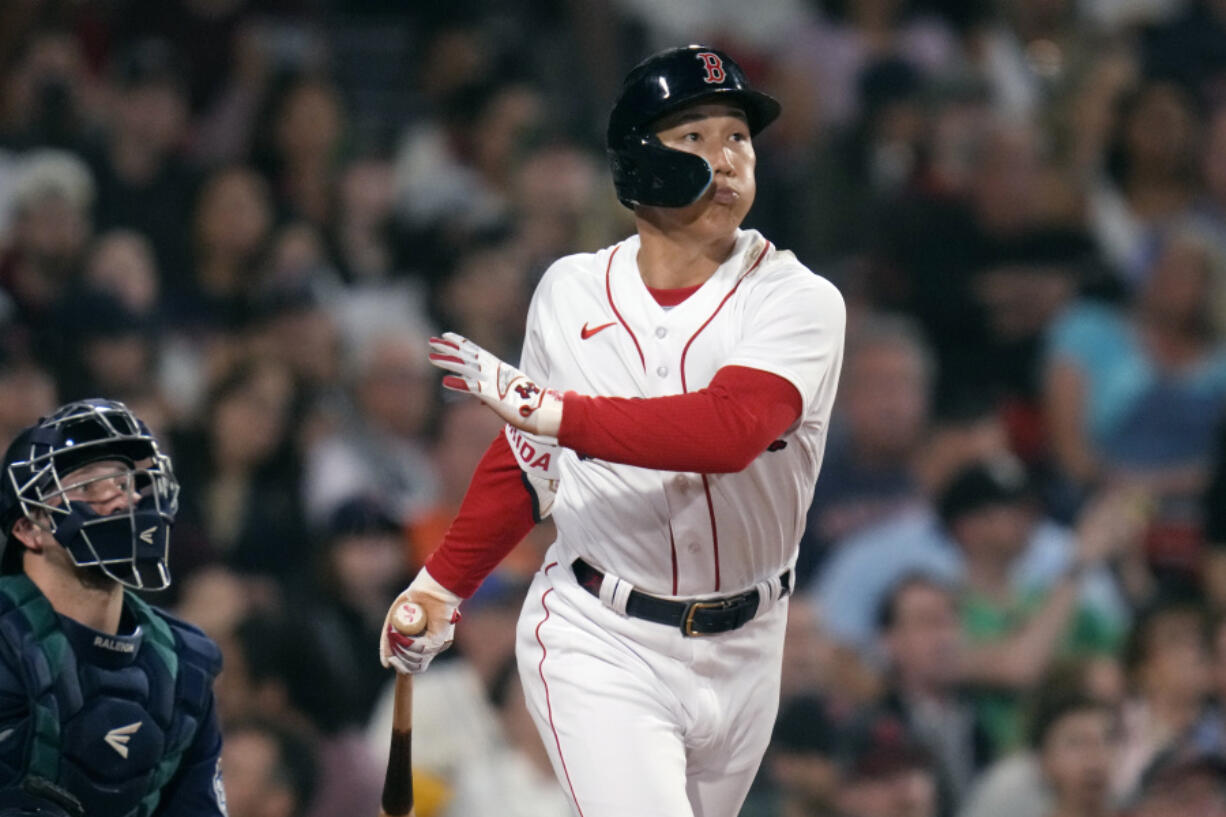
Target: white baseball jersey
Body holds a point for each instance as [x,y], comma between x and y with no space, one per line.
[636,717]
[593,327]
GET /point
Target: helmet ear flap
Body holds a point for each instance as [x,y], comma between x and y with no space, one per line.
[646,172]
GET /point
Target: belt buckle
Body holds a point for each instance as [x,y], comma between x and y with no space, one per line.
[687,623]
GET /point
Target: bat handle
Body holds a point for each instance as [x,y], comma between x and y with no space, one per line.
[410,619]
[398,783]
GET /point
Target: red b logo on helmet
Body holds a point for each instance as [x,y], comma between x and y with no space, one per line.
[714,66]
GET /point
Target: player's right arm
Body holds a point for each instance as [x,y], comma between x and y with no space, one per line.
[510,491]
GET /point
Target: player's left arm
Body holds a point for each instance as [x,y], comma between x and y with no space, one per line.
[719,429]
[197,790]
[789,357]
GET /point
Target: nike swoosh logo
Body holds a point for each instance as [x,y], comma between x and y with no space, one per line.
[586,333]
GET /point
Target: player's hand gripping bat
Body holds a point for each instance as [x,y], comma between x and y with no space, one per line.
[408,619]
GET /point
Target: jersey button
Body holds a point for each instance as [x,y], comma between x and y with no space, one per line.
[661,331]
[662,371]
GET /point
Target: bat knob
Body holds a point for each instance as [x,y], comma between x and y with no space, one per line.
[409,618]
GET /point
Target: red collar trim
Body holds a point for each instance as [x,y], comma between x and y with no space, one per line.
[672,297]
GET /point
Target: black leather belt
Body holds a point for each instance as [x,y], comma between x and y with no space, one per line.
[693,617]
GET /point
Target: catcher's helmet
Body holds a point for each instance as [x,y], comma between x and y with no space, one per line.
[646,172]
[129,545]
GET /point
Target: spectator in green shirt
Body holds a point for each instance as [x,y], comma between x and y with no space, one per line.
[988,510]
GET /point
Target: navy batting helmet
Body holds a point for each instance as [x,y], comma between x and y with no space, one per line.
[646,172]
[129,545]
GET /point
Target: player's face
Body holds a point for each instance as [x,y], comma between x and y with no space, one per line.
[107,486]
[718,133]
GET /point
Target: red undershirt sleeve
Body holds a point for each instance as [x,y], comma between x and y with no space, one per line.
[719,429]
[496,514]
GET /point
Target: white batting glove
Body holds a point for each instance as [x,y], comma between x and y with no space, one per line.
[502,387]
[412,654]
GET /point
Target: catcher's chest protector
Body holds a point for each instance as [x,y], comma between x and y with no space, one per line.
[109,718]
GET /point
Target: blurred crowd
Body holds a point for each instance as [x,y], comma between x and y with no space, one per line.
[243,218]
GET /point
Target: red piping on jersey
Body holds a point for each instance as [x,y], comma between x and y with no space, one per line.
[706,489]
[608,288]
[540,669]
[686,350]
[672,549]
[706,486]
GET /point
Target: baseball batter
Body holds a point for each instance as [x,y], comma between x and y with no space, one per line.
[671,414]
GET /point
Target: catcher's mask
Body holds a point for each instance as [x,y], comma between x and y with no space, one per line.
[130,541]
[644,170]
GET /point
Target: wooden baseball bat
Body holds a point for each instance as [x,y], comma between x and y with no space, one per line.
[408,619]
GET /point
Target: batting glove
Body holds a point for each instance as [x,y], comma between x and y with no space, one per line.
[508,391]
[413,654]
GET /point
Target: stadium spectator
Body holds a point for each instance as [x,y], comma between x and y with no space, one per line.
[885,772]
[1016,785]
[379,450]
[1075,738]
[300,147]
[52,198]
[358,568]
[802,767]
[1149,176]
[50,98]
[485,297]
[1187,783]
[924,649]
[240,461]
[1133,395]
[105,348]
[886,394]
[121,262]
[144,180]
[851,587]
[288,668]
[989,510]
[1167,660]
[27,392]
[271,769]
